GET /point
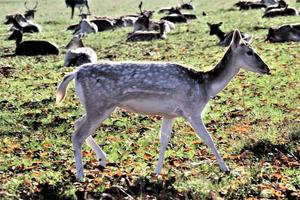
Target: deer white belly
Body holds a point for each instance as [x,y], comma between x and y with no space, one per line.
[152,106]
[80,5]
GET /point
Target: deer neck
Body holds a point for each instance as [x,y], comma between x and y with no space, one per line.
[219,77]
[220,34]
[162,31]
[19,39]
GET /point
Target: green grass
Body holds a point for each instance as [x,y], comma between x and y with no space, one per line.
[254,121]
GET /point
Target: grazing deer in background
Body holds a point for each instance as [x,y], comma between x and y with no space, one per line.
[153,88]
[79,4]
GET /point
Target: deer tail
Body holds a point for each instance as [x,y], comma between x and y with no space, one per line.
[62,87]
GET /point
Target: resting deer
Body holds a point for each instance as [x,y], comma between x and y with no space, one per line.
[187,6]
[225,38]
[153,88]
[246,5]
[30,12]
[277,12]
[32,47]
[77,53]
[21,23]
[280,4]
[175,18]
[148,35]
[85,26]
[177,10]
[285,33]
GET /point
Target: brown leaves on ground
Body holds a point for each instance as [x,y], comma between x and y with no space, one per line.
[278,191]
[6,72]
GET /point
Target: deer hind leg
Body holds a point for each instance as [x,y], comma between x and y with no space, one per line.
[84,128]
[80,9]
[201,131]
[165,132]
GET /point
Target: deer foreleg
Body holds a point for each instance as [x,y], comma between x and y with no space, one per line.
[201,131]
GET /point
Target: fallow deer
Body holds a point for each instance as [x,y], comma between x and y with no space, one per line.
[175,18]
[30,12]
[225,38]
[246,5]
[32,47]
[21,23]
[148,35]
[187,6]
[78,54]
[85,26]
[280,4]
[153,88]
[177,10]
[285,33]
[286,11]
[79,4]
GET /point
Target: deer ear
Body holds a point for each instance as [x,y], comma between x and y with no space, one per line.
[209,24]
[219,24]
[236,39]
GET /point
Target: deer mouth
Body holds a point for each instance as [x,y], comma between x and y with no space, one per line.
[265,70]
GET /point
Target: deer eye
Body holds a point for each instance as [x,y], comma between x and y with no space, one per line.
[250,53]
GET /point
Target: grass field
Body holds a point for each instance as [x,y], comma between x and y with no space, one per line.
[254,121]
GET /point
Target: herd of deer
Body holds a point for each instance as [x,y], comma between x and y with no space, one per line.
[166,89]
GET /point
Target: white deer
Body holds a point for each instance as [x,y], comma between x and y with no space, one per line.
[153,88]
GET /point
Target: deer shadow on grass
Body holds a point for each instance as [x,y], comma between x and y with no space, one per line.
[120,187]
[145,188]
[264,148]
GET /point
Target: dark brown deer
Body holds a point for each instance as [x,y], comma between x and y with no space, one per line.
[21,23]
[246,5]
[285,33]
[187,6]
[280,4]
[225,38]
[32,47]
[148,35]
[77,3]
[30,12]
[286,11]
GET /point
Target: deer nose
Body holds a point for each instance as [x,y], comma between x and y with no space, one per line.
[267,70]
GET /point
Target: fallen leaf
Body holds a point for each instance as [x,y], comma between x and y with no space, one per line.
[148,156]
[47,145]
